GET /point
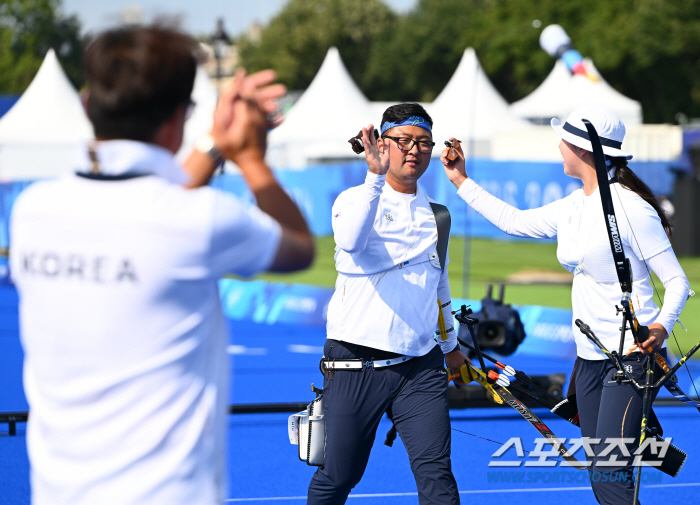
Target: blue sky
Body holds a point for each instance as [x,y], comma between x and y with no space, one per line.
[199,16]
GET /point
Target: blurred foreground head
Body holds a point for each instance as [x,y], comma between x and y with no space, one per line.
[137,78]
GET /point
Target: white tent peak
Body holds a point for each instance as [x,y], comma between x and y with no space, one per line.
[331,91]
[45,132]
[561,92]
[470,107]
[464,79]
[331,97]
[48,112]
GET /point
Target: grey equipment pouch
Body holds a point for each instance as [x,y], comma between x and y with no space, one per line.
[307,429]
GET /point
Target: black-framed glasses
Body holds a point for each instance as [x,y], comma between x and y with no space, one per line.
[406,144]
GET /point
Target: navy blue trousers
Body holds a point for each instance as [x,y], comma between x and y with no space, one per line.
[414,395]
[610,410]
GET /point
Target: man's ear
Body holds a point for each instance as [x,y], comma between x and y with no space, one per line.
[171,132]
[85,100]
[380,144]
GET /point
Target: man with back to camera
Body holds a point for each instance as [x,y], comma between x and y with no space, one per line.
[381,355]
[126,369]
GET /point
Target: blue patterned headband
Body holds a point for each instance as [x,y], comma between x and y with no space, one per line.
[411,121]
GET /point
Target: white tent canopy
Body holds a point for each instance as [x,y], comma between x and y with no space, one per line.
[471,109]
[378,109]
[317,128]
[46,130]
[561,92]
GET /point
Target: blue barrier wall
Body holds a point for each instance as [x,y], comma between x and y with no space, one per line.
[549,331]
[282,326]
[525,185]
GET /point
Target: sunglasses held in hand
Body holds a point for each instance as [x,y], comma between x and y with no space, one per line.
[356,142]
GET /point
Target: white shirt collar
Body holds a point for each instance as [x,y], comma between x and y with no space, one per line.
[118,157]
[418,192]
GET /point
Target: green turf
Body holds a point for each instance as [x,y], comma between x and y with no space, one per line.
[491,262]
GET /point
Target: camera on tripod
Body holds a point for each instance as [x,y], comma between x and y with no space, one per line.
[499,329]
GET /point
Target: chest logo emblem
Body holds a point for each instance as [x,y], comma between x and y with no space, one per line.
[388,216]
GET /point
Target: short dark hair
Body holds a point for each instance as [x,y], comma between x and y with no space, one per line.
[401,111]
[137,77]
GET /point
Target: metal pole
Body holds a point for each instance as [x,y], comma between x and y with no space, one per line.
[469,165]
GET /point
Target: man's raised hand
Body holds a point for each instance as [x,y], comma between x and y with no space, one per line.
[377,155]
[243,112]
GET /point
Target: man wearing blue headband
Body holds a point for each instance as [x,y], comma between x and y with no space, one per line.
[384,351]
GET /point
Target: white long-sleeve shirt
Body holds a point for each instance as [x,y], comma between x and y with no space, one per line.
[389,276]
[577,223]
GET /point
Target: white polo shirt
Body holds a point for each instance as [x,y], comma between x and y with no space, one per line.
[389,276]
[124,338]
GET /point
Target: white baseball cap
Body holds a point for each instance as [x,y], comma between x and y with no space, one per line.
[610,128]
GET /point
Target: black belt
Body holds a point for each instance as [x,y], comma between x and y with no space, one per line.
[376,354]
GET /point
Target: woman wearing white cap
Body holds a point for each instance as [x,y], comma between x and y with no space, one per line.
[606,409]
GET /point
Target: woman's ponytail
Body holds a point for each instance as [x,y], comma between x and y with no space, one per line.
[627,178]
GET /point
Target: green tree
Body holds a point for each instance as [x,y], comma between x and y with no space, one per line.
[648,50]
[295,42]
[28,28]
[425,48]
